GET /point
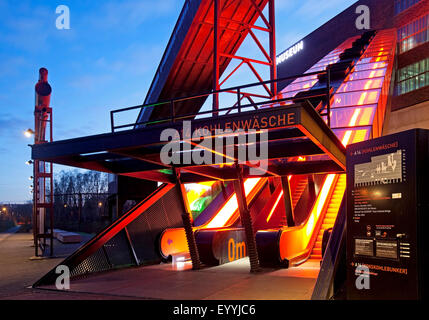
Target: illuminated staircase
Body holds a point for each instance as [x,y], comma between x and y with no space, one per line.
[296,195]
[330,217]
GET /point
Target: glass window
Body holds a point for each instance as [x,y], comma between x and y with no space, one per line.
[370,66]
[356,98]
[361,85]
[413,34]
[402,5]
[368,74]
[346,117]
[413,77]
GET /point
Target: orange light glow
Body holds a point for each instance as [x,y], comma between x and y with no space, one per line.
[275,206]
[231,206]
[318,207]
[296,240]
[366,117]
[173,241]
[354,118]
[346,138]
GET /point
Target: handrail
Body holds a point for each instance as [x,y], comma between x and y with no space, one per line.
[238,106]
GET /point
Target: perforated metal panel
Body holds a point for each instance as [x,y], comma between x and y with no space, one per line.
[145,230]
[119,251]
[95,263]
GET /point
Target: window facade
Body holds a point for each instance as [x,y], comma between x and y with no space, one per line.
[413,77]
[413,34]
[402,5]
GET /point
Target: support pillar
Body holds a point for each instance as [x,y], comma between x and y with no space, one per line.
[273,50]
[272,185]
[246,221]
[187,223]
[288,202]
[216,72]
[311,187]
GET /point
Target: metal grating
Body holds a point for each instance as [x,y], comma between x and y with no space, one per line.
[95,263]
[145,230]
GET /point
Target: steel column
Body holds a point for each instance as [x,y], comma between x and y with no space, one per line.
[311,187]
[216,71]
[187,223]
[288,202]
[272,18]
[270,56]
[246,221]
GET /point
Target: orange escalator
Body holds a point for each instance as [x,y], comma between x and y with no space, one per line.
[330,216]
[296,194]
[291,246]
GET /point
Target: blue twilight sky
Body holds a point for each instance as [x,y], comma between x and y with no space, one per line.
[106,61]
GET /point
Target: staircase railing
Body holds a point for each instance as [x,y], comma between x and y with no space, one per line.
[239,92]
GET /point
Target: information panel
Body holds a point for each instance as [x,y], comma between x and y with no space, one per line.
[382,218]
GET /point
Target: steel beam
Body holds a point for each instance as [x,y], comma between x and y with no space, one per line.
[288,202]
[246,221]
[187,223]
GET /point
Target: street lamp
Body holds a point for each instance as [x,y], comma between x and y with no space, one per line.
[29,133]
[29,162]
[100,204]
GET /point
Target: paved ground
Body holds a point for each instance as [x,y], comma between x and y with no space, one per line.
[230,281]
[18,272]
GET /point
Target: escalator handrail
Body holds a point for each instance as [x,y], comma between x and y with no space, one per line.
[303,256]
[331,259]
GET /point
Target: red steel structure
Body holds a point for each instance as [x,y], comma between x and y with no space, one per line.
[214,34]
[43,171]
[222,27]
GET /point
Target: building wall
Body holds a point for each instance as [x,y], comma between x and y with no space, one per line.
[330,35]
[410,57]
[416,116]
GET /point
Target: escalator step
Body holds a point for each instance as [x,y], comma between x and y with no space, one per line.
[329,221]
[317,251]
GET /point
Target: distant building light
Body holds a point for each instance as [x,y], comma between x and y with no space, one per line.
[290,52]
